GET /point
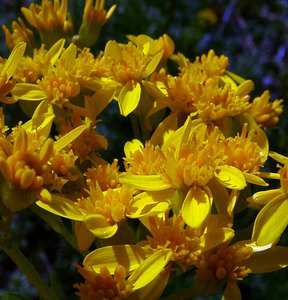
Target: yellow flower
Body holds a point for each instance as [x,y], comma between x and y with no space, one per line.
[185,243]
[24,164]
[31,68]
[248,152]
[88,142]
[20,33]
[106,175]
[146,271]
[164,43]
[50,19]
[200,87]
[7,70]
[142,160]
[265,112]
[129,65]
[93,20]
[101,211]
[102,285]
[227,264]
[193,156]
[58,84]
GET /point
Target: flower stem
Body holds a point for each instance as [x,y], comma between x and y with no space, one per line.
[28,269]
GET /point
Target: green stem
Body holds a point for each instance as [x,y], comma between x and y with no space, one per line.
[55,223]
[29,270]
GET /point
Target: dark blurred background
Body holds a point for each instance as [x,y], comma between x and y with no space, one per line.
[253,34]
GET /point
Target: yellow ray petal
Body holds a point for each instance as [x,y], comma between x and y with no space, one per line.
[62,207]
[271,221]
[84,238]
[215,237]
[152,65]
[254,179]
[129,256]
[197,206]
[129,97]
[28,91]
[145,182]
[264,197]
[13,59]
[269,260]
[69,137]
[99,226]
[230,177]
[150,203]
[150,268]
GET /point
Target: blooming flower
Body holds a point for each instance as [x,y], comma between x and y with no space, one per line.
[51,20]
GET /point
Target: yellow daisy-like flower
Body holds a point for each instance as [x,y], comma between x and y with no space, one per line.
[227,264]
[58,84]
[51,19]
[20,33]
[129,65]
[106,175]
[103,285]
[265,112]
[24,164]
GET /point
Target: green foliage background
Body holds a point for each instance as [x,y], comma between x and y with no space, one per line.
[253,34]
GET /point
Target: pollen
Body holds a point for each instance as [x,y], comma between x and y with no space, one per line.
[147,161]
[58,88]
[106,175]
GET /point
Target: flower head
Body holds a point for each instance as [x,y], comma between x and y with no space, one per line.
[102,285]
[50,19]
[94,17]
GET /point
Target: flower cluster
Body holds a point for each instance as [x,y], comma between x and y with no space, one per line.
[170,206]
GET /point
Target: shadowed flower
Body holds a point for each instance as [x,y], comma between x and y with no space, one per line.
[102,285]
[20,33]
[265,112]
